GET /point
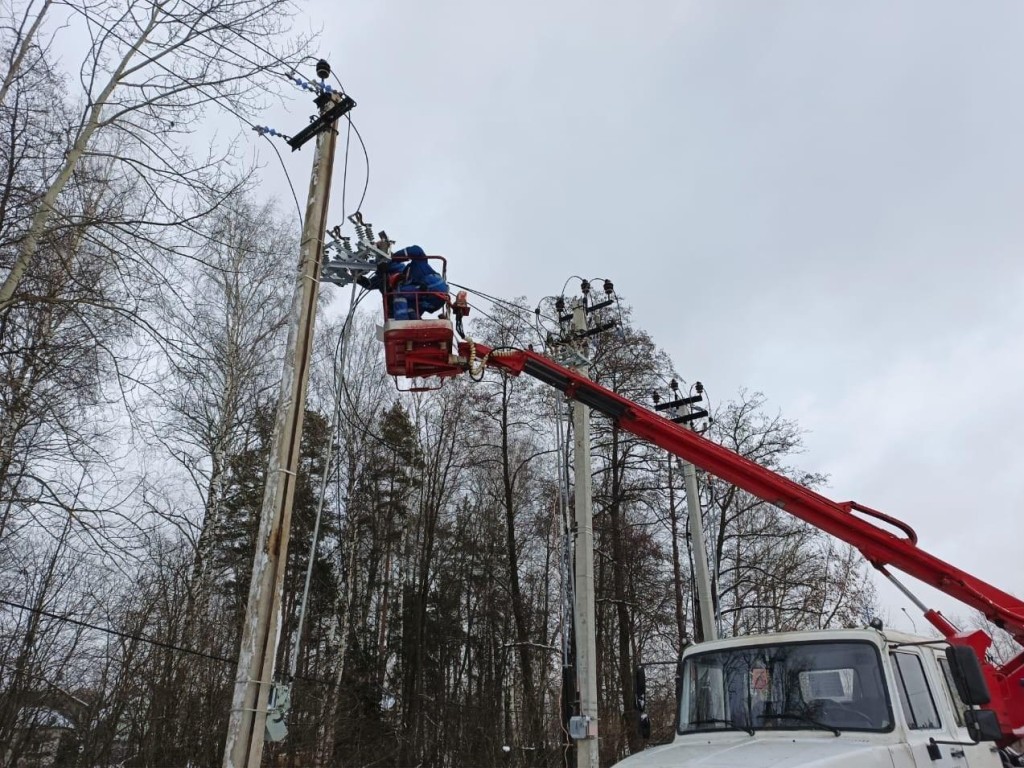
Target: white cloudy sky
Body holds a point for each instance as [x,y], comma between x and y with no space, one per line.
[816,199]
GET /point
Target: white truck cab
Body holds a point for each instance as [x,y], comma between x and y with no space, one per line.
[856,698]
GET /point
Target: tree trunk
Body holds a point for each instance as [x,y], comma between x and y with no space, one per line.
[677,570]
[630,715]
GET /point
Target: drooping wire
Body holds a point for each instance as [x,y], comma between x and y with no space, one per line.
[119,633]
[344,173]
[532,314]
[566,283]
[366,156]
[497,300]
[348,143]
[501,326]
[130,636]
[295,197]
[261,130]
[339,362]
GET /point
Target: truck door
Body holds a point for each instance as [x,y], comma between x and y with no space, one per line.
[977,755]
[917,703]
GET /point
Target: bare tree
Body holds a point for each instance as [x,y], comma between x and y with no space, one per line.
[626,476]
[56,353]
[225,326]
[37,652]
[150,71]
[1004,647]
[514,455]
[775,572]
[99,193]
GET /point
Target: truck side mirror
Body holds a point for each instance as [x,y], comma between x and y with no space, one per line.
[983,725]
[640,688]
[967,675]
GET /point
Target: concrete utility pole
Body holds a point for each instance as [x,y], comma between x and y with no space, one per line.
[253,681]
[586,640]
[709,627]
[681,413]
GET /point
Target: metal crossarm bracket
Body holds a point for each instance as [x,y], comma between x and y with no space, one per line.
[323,121]
[351,262]
[677,403]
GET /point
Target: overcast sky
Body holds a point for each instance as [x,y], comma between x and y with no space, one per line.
[817,200]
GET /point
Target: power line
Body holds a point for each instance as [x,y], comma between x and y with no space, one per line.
[119,633]
[366,155]
[218,100]
[344,173]
[295,197]
[139,638]
[275,58]
[496,300]
[501,326]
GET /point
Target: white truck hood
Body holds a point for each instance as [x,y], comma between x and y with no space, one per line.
[764,752]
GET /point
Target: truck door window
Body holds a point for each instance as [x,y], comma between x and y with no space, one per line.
[950,686]
[914,693]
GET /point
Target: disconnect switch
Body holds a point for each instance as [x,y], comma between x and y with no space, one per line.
[583,727]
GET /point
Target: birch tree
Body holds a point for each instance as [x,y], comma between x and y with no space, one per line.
[627,555]
[226,329]
[151,70]
[775,572]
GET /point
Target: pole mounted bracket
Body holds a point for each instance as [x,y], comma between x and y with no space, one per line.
[570,357]
[342,105]
[344,261]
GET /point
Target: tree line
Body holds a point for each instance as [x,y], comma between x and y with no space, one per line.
[143,311]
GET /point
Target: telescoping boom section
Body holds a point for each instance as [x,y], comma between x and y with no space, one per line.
[844,520]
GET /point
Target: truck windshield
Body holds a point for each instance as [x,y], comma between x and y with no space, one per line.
[835,686]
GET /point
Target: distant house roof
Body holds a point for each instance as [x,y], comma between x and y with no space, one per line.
[43,717]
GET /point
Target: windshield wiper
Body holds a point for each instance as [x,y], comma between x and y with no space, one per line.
[731,723]
[803,719]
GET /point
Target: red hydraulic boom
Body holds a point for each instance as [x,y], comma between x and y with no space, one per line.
[881,547]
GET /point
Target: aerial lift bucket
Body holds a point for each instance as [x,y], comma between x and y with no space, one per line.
[418,348]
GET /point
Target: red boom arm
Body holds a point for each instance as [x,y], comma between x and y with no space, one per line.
[880,547]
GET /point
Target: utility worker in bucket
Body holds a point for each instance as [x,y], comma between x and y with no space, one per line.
[411,285]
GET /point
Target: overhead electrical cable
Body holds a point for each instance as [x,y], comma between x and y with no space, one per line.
[130,636]
[339,365]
